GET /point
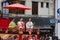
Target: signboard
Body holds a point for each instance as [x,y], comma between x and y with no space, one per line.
[58,10]
[53,20]
[45,30]
[58,13]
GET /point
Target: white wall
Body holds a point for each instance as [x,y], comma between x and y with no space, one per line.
[51,8]
[42,12]
[46,12]
[58,4]
[29,4]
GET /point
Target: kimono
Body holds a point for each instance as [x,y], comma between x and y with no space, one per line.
[20,25]
[29,26]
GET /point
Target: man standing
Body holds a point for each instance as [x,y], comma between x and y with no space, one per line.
[29,25]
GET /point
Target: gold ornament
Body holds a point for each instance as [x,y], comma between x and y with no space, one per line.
[38,33]
[30,32]
[20,32]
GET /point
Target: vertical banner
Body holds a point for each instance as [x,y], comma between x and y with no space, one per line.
[57,16]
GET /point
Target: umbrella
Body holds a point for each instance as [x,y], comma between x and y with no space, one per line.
[17,6]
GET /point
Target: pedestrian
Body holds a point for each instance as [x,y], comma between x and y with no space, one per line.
[47,37]
[42,37]
[15,37]
[21,25]
[50,37]
[29,25]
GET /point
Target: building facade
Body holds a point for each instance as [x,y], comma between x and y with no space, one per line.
[40,8]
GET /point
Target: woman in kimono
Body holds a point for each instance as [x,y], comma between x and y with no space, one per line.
[21,25]
[29,25]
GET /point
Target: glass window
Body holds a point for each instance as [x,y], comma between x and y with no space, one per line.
[35,8]
[47,5]
[42,4]
[4,11]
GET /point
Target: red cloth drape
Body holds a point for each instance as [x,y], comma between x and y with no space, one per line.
[20,36]
[4,23]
